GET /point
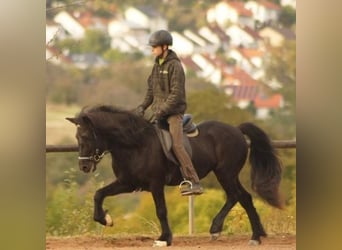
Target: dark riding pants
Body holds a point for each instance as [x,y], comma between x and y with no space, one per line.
[176,131]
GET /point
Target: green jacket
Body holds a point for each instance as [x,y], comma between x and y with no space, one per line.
[166,87]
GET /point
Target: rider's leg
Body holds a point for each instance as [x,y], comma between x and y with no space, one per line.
[188,170]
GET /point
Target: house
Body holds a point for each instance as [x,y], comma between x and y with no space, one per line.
[210,68]
[243,36]
[276,36]
[225,13]
[240,86]
[189,65]
[181,44]
[127,36]
[264,11]
[250,60]
[121,45]
[291,3]
[89,21]
[88,60]
[265,105]
[207,33]
[53,31]
[147,17]
[55,56]
[70,24]
[221,34]
[119,27]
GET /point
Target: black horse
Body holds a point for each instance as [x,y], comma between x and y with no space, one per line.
[139,163]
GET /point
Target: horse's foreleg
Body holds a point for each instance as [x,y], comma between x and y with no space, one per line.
[112,189]
[161,210]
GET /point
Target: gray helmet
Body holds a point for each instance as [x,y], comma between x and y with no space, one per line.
[160,37]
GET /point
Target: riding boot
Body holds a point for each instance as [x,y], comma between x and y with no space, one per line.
[191,188]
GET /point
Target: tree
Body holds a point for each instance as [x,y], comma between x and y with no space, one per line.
[287,16]
[95,41]
[282,67]
[213,104]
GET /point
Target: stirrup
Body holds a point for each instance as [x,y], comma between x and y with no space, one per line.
[184,183]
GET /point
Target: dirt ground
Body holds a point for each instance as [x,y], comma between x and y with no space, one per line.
[179,242]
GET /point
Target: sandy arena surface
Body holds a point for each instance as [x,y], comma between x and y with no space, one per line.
[273,242]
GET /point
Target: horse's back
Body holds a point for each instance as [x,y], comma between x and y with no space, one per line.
[220,131]
[216,143]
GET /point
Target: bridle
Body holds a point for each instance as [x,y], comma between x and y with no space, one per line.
[96,157]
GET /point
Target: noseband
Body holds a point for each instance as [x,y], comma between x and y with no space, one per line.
[95,158]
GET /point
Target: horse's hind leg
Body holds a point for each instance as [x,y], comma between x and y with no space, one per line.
[217,223]
[245,199]
[228,183]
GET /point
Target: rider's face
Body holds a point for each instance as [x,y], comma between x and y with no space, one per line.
[157,50]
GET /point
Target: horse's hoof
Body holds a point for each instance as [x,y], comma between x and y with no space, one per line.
[159,243]
[254,243]
[109,221]
[215,236]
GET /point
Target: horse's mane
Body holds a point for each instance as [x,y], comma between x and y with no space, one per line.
[122,124]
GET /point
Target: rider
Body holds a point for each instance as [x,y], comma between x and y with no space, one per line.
[166,96]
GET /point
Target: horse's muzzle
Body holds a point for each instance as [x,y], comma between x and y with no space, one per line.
[86,166]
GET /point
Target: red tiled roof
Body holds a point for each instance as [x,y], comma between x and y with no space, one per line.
[189,63]
[269,5]
[252,32]
[275,101]
[245,92]
[219,32]
[241,76]
[242,85]
[250,52]
[240,8]
[85,19]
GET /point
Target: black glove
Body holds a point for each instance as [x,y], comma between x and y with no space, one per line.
[139,111]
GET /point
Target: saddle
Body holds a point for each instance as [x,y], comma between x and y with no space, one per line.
[189,130]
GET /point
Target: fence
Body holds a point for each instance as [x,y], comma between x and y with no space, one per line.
[74,148]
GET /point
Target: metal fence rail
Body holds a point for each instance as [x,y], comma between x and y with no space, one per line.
[74,148]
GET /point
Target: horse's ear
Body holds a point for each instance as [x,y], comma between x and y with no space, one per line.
[73,120]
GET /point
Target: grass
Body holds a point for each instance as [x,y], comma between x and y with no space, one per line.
[58,129]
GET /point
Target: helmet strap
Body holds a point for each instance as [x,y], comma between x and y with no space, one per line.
[164,51]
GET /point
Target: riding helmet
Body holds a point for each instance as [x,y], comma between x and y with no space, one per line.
[160,37]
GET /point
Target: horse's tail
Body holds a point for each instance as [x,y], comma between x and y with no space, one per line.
[266,167]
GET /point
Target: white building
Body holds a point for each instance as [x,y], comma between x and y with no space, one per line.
[70,24]
[263,11]
[182,45]
[146,17]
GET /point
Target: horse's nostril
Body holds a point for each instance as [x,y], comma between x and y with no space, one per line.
[84,167]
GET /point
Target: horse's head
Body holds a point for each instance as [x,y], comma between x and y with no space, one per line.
[91,149]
